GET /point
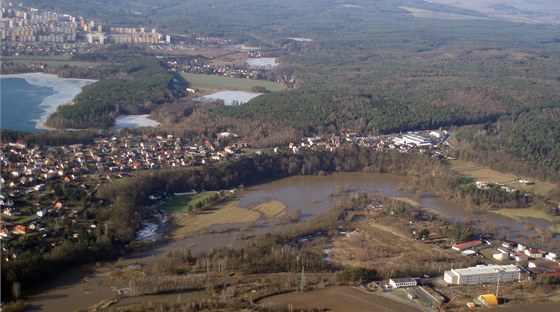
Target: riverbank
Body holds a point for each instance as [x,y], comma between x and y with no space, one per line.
[221,227]
[65,90]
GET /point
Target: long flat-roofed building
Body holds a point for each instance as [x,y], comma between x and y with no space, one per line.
[481,274]
[403,282]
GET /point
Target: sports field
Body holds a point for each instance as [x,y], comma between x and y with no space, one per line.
[228,83]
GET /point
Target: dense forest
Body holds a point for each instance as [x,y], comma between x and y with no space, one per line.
[527,143]
[325,111]
[135,88]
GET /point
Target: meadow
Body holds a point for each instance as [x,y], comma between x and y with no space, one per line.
[182,202]
[486,174]
[218,82]
[52,60]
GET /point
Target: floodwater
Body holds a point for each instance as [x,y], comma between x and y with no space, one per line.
[313,195]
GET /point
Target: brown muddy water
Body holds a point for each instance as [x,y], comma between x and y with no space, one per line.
[81,288]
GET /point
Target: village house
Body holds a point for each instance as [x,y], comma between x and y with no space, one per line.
[467,245]
[20,229]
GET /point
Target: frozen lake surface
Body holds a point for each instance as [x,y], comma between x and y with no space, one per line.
[266,62]
[134,121]
[230,97]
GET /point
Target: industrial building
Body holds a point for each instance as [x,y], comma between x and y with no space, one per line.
[403,282]
[415,139]
[481,274]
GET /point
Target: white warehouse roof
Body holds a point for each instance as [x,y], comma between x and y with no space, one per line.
[483,269]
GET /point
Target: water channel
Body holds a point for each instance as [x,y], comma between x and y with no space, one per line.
[81,288]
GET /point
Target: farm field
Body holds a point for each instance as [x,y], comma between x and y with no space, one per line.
[225,213]
[217,82]
[337,299]
[544,11]
[486,174]
[437,15]
[271,209]
[54,60]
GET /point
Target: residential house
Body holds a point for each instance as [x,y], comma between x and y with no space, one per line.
[467,245]
[20,229]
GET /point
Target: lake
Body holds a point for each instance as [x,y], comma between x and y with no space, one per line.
[20,109]
[28,99]
[313,195]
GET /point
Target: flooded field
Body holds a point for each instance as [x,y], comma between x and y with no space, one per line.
[312,195]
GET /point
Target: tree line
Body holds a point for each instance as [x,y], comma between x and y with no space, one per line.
[526,143]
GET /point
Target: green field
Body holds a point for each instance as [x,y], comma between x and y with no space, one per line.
[54,60]
[180,203]
[219,82]
[18,219]
[486,174]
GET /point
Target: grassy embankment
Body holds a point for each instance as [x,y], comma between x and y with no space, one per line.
[223,213]
[218,82]
[51,60]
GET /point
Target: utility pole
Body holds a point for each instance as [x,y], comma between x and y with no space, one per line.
[498,285]
[302,285]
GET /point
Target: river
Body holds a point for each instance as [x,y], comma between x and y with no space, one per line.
[82,287]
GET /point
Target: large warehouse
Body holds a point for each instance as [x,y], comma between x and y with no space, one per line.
[481,274]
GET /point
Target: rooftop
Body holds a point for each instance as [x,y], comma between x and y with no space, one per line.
[403,280]
[485,269]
